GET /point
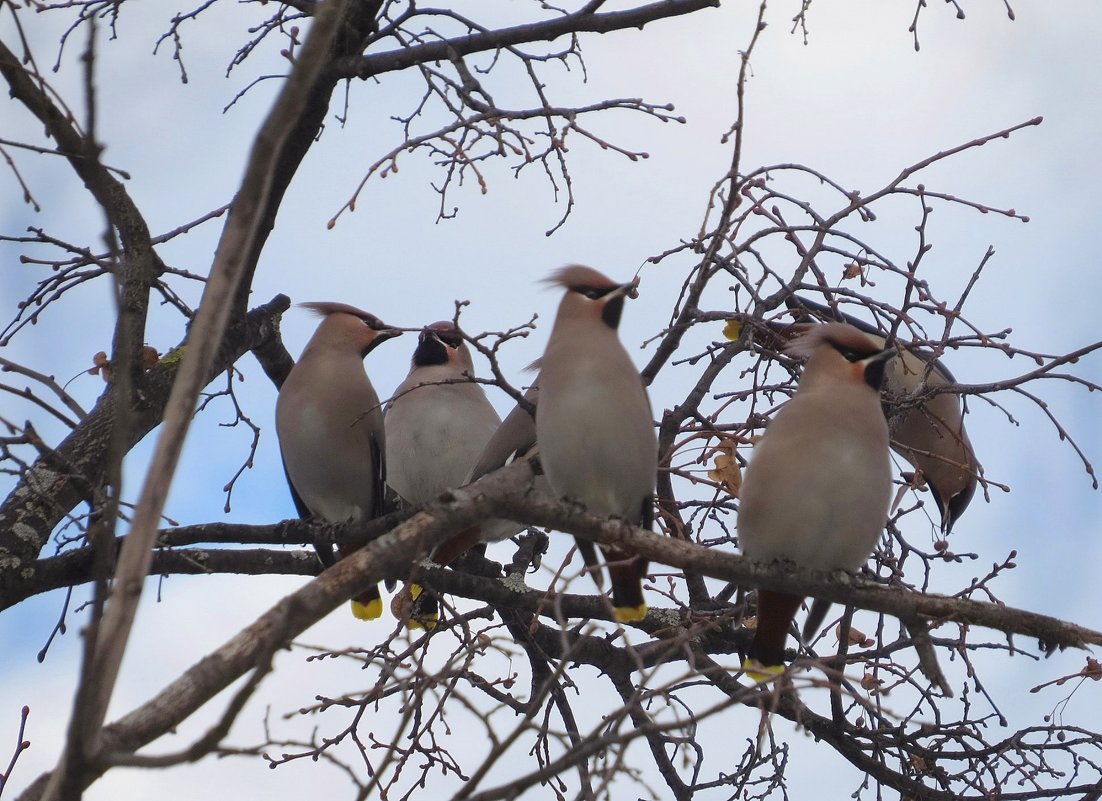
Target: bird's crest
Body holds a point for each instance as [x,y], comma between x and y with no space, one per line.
[324,308]
[841,336]
[577,277]
[447,332]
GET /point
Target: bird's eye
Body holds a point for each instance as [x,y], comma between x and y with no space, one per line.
[849,354]
[593,293]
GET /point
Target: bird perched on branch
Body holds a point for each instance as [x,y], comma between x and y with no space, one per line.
[594,427]
[514,439]
[925,419]
[437,425]
[818,485]
[929,433]
[330,427]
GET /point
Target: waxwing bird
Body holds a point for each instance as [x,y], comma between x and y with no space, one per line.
[439,420]
[330,426]
[930,433]
[818,485]
[513,439]
[437,425]
[597,442]
[516,439]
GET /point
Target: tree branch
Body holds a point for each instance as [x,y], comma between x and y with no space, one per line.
[229,269]
[60,480]
[583,21]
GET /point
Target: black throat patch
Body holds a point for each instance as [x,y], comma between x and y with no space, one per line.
[430,351]
[874,373]
[612,311]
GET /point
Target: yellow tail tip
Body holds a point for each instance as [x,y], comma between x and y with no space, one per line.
[630,614]
[415,621]
[758,672]
[372,610]
[428,622]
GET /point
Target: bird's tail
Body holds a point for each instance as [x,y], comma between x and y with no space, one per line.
[367,605]
[592,563]
[815,618]
[625,573]
[776,611]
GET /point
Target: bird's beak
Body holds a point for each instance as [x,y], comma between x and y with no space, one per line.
[882,356]
[628,290]
[381,335]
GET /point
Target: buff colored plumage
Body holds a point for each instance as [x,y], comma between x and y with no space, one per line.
[930,434]
[818,485]
[594,427]
[330,426]
[437,425]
